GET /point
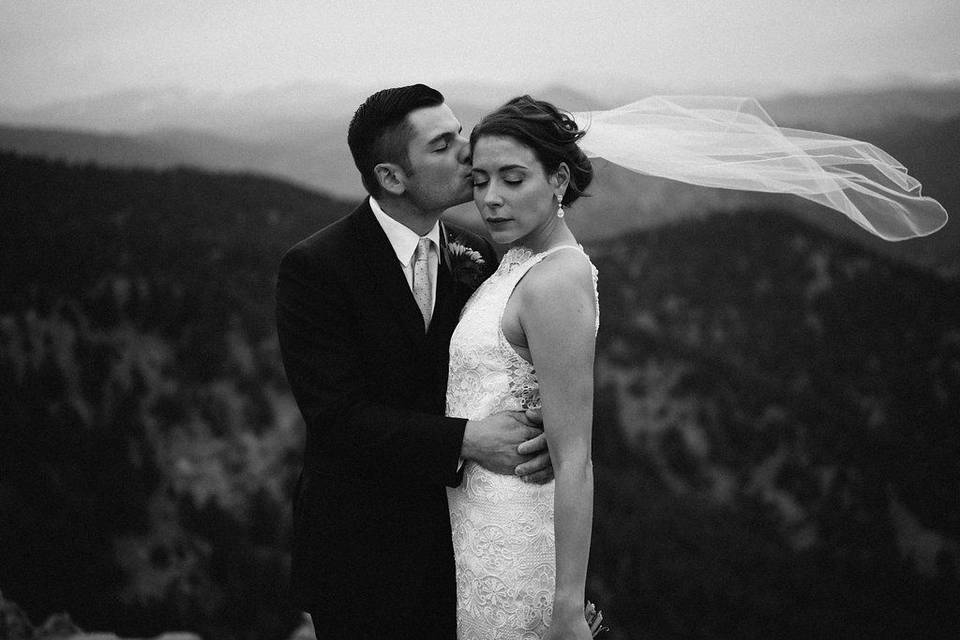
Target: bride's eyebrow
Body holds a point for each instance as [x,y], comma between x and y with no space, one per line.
[503,169]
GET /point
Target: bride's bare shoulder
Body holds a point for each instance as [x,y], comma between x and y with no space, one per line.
[561,279]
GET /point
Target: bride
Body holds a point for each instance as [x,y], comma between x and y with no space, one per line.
[526,337]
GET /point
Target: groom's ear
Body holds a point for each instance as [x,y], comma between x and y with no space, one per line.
[390,176]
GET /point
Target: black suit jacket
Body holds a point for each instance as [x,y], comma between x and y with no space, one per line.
[371,540]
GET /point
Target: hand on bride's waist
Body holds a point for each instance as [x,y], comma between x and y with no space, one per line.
[509,443]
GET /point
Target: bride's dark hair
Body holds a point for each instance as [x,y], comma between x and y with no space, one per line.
[549,132]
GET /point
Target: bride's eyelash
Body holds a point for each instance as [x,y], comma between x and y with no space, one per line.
[510,181]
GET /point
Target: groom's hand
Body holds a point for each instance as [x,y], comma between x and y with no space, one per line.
[538,468]
[494,442]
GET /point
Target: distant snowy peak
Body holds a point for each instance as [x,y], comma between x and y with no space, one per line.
[245,113]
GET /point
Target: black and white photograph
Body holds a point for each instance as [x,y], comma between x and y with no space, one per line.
[485,320]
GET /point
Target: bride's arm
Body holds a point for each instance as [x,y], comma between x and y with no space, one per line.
[557,315]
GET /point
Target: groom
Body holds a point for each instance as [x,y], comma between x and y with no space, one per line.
[365,310]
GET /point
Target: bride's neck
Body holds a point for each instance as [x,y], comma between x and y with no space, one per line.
[553,234]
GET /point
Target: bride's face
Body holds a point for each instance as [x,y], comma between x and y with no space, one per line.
[512,191]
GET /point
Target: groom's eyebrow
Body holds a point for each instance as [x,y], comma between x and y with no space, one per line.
[443,137]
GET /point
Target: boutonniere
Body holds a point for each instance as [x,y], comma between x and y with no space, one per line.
[466,265]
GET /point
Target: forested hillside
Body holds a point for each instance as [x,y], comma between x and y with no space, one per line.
[777,417]
[778,430]
[150,441]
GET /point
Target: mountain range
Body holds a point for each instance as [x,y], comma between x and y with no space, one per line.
[775,429]
[298,133]
[265,112]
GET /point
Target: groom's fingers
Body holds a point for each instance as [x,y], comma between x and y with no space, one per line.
[534,466]
[533,445]
[535,416]
[542,473]
[524,418]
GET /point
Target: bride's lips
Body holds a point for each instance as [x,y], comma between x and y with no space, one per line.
[497,220]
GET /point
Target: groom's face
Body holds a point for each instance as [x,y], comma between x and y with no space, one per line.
[438,175]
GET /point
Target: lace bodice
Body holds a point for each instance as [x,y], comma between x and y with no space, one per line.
[487,375]
[503,533]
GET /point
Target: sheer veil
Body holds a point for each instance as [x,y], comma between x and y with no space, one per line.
[732,143]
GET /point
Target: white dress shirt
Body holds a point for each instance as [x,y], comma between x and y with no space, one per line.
[404,242]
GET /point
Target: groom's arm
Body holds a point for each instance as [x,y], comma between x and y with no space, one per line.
[316,325]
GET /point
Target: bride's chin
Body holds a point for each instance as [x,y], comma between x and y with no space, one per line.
[503,238]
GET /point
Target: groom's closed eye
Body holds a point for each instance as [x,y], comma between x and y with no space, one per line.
[441,143]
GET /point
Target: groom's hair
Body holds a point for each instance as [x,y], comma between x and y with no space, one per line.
[379,131]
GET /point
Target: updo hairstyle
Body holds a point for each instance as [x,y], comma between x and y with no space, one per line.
[550,133]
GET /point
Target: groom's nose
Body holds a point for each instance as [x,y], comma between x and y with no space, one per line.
[463,155]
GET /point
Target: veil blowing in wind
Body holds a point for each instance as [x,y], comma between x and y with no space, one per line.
[732,143]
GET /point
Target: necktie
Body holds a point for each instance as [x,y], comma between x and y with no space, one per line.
[422,288]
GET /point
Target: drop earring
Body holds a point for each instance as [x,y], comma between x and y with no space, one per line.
[560,210]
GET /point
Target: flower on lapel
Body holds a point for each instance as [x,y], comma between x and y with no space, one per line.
[466,265]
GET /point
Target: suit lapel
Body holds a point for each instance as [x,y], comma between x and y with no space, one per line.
[386,274]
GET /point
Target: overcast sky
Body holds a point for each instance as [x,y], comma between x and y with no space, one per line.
[61,49]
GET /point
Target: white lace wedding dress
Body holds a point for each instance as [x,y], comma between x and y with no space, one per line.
[503,537]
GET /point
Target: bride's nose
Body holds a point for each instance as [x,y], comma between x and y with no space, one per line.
[491,197]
